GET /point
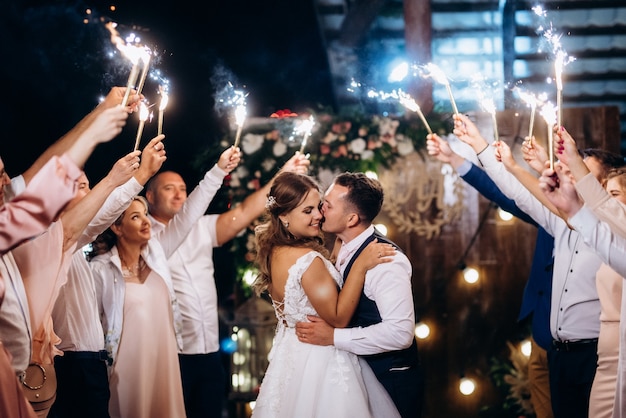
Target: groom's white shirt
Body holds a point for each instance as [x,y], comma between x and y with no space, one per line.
[389,285]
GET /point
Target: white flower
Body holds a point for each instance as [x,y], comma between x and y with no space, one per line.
[405,147]
[242,172]
[368,154]
[234,181]
[326,177]
[280,148]
[358,145]
[251,143]
[268,164]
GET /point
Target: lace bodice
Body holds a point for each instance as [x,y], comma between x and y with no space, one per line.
[296,306]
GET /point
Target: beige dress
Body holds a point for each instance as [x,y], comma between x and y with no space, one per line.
[145,379]
[602,398]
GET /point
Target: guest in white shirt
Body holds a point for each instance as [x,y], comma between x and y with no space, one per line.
[192,270]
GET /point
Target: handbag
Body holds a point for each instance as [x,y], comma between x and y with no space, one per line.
[40,385]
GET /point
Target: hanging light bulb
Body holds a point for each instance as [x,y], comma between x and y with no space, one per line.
[467,386]
[422,330]
[504,215]
[526,348]
[470,275]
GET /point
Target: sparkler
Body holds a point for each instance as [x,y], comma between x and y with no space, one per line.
[407,101]
[439,76]
[559,63]
[489,106]
[133,53]
[239,101]
[143,116]
[162,106]
[145,59]
[548,112]
[304,128]
[532,101]
[561,59]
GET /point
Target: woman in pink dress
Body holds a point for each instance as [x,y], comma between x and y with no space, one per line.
[609,285]
[138,306]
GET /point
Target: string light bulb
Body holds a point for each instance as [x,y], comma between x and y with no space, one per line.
[422,330]
[470,275]
[504,215]
[467,386]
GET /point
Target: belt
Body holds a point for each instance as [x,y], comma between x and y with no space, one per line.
[574,345]
[101,355]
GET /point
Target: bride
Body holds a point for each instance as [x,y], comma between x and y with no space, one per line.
[305,380]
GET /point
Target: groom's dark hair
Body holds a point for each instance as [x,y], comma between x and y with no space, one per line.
[364,194]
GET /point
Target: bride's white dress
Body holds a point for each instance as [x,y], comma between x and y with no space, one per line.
[305,380]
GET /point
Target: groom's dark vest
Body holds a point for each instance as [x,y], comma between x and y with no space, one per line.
[367,314]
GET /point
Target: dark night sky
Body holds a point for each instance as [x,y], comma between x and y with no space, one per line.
[54,68]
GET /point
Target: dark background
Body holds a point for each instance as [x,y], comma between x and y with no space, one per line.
[55,67]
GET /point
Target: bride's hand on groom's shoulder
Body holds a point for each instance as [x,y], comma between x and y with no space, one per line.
[376,253]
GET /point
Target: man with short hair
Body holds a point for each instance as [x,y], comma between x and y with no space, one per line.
[192,269]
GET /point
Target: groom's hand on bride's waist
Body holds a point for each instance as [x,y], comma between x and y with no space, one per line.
[316,332]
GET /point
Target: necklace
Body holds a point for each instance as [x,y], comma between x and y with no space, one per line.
[134,270]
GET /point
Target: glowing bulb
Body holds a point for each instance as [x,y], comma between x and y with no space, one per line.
[371,175]
[422,331]
[467,386]
[526,348]
[504,215]
[470,275]
[381,228]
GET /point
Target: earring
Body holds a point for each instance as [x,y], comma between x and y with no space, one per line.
[286,224]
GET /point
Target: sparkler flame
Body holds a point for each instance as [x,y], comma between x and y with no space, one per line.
[548,111]
[162,105]
[433,71]
[144,112]
[305,128]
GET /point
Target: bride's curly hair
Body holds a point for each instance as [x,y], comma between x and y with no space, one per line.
[286,193]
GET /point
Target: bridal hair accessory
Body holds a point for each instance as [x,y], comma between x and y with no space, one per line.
[271,201]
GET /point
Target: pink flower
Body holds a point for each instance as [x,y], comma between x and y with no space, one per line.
[283,113]
[324,149]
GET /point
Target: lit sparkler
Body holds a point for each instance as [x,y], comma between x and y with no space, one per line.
[132,53]
[162,106]
[304,128]
[432,70]
[143,116]
[145,60]
[407,101]
[532,101]
[489,106]
[548,111]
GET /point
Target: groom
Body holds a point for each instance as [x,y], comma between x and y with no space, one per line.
[382,328]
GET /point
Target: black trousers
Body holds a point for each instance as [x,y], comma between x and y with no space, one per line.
[204,384]
[82,386]
[406,388]
[572,372]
